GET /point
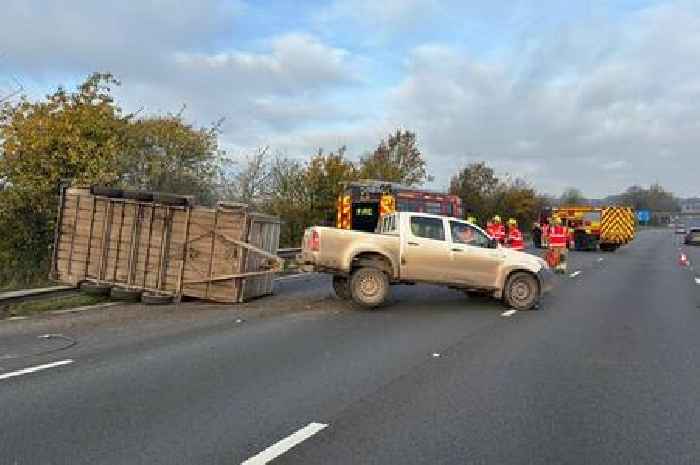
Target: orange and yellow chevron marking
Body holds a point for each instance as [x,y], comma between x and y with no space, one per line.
[617,225]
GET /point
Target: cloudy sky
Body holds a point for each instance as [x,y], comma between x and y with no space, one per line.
[592,93]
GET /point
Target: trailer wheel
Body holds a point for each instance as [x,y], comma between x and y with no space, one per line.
[150,298]
[125,295]
[341,286]
[94,289]
[521,291]
[142,196]
[369,287]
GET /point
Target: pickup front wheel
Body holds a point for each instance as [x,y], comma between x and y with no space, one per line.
[369,287]
[341,287]
[521,291]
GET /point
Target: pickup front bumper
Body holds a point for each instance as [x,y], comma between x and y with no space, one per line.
[546,279]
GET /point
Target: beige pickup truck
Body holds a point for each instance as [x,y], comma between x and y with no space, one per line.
[412,248]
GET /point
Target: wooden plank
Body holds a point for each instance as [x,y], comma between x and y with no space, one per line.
[106,231]
[230,276]
[119,240]
[213,247]
[178,291]
[148,245]
[134,244]
[57,231]
[72,240]
[163,242]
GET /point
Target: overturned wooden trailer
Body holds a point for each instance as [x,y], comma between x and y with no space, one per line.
[223,254]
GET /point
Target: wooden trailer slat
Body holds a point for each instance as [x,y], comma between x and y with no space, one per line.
[72,239]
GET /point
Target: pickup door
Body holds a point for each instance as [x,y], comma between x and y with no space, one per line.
[472,262]
[424,248]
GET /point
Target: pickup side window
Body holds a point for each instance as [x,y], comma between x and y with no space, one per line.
[429,228]
[463,233]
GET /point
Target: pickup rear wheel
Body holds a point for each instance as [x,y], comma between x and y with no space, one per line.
[369,287]
[521,291]
[341,286]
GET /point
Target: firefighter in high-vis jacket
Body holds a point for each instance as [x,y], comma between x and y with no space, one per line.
[558,238]
[515,237]
[471,220]
[497,230]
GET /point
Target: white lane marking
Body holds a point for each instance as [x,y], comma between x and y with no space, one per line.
[26,371]
[285,444]
[600,259]
[436,355]
[697,281]
[509,312]
[575,273]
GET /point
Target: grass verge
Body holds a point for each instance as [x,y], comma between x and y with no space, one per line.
[55,303]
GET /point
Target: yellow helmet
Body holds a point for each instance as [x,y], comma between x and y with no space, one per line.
[512,222]
[471,220]
[497,219]
[557,221]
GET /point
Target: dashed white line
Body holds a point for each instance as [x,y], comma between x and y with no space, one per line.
[509,312]
[285,444]
[26,371]
[697,281]
[575,273]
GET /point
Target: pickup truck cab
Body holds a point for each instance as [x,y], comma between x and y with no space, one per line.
[412,248]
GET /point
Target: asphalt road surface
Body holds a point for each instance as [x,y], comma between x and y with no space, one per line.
[606,372]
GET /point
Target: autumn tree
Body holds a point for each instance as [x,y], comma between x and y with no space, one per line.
[73,135]
[289,199]
[324,177]
[572,196]
[476,185]
[164,153]
[84,136]
[654,198]
[248,179]
[515,198]
[396,159]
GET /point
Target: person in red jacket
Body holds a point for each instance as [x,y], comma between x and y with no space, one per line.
[515,237]
[558,238]
[497,230]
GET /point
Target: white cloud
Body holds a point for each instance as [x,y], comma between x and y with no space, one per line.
[169,53]
[599,101]
[560,125]
[39,36]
